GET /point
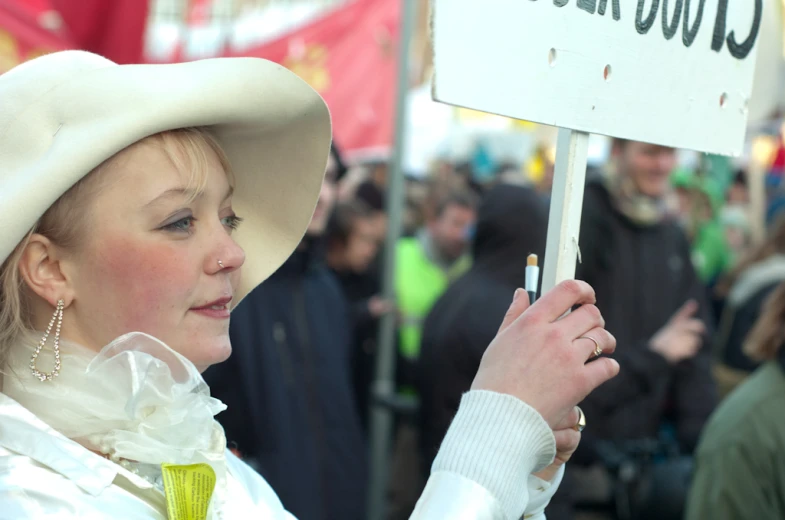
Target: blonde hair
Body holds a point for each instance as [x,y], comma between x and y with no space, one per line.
[66,221]
[767,336]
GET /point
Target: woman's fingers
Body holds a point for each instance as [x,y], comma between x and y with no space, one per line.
[520,302]
[558,301]
[597,372]
[598,337]
[569,420]
[567,441]
[582,320]
[535,357]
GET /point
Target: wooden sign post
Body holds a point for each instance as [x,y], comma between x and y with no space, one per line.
[564,221]
[676,73]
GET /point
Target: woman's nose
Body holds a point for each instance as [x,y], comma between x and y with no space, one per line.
[229,256]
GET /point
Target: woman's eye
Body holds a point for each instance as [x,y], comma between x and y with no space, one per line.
[232,222]
[184,224]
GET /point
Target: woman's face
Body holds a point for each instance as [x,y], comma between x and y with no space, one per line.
[150,260]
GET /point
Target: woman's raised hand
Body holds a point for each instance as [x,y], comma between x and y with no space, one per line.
[540,355]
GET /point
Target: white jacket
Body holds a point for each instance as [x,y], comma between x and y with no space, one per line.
[481,473]
[45,475]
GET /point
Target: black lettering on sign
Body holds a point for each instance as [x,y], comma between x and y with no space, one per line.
[741,50]
[689,33]
[670,24]
[641,25]
[719,26]
[616,10]
[588,5]
[669,30]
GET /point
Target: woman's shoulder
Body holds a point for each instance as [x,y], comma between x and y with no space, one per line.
[30,490]
[46,475]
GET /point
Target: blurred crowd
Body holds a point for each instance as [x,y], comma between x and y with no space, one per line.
[696,305]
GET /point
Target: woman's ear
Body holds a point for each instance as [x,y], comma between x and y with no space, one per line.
[41,270]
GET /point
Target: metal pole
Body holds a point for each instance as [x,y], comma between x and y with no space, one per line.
[384,381]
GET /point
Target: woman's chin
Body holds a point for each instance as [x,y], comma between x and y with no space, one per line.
[224,353]
[204,356]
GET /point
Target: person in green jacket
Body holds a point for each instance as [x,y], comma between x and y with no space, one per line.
[701,201]
[426,264]
[740,463]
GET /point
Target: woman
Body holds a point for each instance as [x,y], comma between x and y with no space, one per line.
[744,290]
[121,190]
[740,474]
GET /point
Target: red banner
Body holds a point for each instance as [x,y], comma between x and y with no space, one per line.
[22,36]
[349,56]
[114,29]
[199,12]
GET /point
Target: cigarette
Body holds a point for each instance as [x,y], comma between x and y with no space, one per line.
[532,277]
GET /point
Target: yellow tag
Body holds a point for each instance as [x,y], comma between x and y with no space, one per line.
[188,490]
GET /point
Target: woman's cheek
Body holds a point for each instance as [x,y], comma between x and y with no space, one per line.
[153,282]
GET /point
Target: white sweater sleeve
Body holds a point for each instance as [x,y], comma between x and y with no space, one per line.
[483,469]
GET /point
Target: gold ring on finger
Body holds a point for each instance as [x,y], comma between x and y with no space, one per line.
[581,424]
[597,348]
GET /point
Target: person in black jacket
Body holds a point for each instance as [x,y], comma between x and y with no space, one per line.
[512,223]
[352,246]
[638,260]
[291,411]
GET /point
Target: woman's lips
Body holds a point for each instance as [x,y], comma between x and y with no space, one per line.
[221,313]
[218,309]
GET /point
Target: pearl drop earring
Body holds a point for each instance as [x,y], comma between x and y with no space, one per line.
[58,317]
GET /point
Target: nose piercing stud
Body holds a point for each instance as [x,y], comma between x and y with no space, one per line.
[220,264]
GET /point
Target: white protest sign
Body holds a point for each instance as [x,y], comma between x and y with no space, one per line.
[671,72]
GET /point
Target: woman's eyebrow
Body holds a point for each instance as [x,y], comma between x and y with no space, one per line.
[179,191]
[182,191]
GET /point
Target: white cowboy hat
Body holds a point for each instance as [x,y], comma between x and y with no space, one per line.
[64,114]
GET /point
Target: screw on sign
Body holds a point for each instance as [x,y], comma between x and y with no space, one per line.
[601,66]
